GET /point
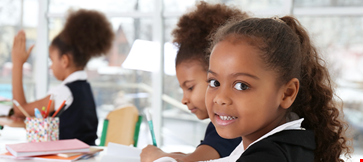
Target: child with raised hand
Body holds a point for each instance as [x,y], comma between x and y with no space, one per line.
[268,85]
[191,35]
[86,34]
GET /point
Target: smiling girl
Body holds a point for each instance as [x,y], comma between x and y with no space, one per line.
[191,35]
[268,85]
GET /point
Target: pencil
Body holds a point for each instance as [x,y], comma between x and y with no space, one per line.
[21,108]
[60,107]
[48,108]
[61,111]
[151,127]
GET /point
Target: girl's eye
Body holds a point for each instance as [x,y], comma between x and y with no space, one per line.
[241,86]
[190,88]
[214,83]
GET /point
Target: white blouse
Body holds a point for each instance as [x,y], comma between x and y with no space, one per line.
[62,92]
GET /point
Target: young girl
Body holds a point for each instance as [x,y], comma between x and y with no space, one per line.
[86,34]
[268,85]
[191,35]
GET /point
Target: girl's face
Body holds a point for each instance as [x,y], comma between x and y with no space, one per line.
[192,79]
[242,97]
[56,66]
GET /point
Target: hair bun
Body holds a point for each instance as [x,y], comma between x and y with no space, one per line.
[89,32]
[195,27]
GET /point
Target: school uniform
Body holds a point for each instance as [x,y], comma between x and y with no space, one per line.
[223,146]
[286,143]
[284,146]
[79,120]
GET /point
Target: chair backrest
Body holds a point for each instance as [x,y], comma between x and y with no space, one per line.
[121,125]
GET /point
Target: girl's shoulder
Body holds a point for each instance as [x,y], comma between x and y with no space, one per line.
[223,146]
[61,88]
[284,146]
[60,93]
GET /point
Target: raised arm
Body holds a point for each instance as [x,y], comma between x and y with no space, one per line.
[19,56]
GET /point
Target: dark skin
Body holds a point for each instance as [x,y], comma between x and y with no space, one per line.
[203,152]
[192,79]
[242,89]
[62,67]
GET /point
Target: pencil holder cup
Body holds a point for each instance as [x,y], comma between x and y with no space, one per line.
[41,130]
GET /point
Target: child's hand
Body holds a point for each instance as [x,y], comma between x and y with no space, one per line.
[17,118]
[151,153]
[19,53]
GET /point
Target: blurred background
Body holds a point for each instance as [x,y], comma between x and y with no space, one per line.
[336,27]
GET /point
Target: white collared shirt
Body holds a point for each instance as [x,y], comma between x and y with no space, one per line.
[238,151]
[62,92]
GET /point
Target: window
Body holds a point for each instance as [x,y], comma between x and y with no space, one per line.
[13,19]
[335,26]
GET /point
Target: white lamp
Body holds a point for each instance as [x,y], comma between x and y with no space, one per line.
[143,54]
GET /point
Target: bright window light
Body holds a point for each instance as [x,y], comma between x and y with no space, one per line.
[170,51]
[144,56]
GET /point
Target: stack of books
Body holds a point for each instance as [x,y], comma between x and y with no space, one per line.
[62,150]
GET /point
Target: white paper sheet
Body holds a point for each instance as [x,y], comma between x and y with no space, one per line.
[117,152]
[4,110]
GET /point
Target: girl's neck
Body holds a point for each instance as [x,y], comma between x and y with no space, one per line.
[70,71]
[250,138]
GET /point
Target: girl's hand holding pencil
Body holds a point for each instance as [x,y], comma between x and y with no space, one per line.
[151,153]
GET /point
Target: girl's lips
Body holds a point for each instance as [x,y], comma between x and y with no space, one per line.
[193,110]
[224,120]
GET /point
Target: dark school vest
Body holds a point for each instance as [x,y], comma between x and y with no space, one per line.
[284,146]
[79,120]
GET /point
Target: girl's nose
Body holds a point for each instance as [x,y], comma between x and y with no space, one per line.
[222,99]
[185,100]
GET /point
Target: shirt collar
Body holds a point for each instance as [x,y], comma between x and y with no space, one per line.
[296,124]
[77,75]
[238,151]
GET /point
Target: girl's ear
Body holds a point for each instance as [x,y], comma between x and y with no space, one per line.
[290,92]
[65,61]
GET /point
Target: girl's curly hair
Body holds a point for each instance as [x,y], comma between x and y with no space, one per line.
[286,48]
[87,33]
[193,30]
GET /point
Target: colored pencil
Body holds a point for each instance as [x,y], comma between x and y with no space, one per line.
[48,107]
[21,108]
